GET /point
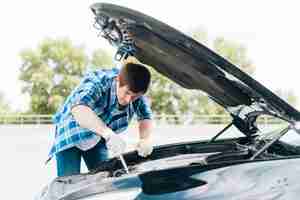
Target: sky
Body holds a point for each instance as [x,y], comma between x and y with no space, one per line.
[268,29]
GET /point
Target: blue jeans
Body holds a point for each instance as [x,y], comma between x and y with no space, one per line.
[69,161]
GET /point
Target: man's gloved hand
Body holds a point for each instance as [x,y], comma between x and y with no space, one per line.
[144,147]
[115,144]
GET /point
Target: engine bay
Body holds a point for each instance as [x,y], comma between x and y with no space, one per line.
[189,157]
[202,154]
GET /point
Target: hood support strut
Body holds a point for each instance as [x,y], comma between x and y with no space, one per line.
[222,131]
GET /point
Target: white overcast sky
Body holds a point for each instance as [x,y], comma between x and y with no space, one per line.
[269,29]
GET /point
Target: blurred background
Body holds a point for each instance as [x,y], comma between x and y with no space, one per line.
[47,46]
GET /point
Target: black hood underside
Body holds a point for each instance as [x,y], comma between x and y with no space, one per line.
[191,64]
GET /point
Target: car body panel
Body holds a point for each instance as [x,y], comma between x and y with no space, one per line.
[273,179]
[257,180]
[185,171]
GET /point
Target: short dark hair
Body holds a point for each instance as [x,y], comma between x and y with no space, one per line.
[136,76]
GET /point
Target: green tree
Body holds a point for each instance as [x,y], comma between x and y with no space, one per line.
[51,71]
[101,58]
[235,53]
[166,96]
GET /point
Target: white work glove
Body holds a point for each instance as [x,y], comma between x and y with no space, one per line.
[116,145]
[144,147]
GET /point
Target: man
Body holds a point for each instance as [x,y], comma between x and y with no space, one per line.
[89,122]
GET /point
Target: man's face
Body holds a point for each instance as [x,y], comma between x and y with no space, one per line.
[125,96]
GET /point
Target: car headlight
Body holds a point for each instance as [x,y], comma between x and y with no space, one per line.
[129,194]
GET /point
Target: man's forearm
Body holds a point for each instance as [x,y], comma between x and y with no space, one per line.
[145,129]
[87,118]
[145,146]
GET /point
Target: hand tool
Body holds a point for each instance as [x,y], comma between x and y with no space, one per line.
[124,163]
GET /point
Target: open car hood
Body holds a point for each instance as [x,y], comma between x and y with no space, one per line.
[187,62]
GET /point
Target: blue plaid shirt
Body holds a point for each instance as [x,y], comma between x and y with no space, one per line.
[98,91]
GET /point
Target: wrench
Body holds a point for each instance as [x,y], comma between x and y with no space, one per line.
[124,163]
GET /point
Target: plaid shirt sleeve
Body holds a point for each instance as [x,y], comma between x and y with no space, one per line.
[143,110]
[87,94]
[92,92]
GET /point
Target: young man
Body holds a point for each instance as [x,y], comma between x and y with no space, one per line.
[101,107]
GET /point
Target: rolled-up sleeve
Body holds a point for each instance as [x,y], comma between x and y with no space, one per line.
[143,109]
